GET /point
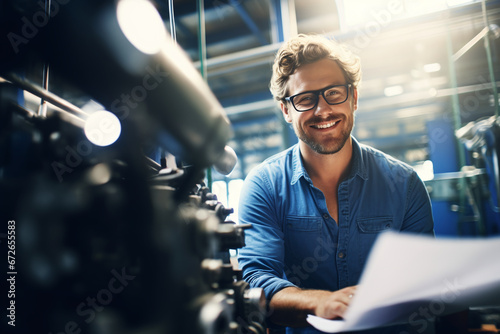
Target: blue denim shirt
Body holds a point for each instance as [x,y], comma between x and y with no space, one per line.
[295,242]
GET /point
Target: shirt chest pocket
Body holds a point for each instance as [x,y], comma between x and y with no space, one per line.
[302,235]
[374,224]
[369,229]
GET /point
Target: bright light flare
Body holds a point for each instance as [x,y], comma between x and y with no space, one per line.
[142,25]
[431,68]
[393,91]
[425,170]
[102,128]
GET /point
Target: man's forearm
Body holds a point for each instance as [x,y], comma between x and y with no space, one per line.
[290,306]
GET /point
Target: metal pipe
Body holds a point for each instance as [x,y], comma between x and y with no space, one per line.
[275,18]
[172,20]
[233,61]
[470,44]
[289,19]
[202,46]
[152,164]
[457,125]
[65,116]
[488,56]
[42,111]
[23,112]
[46,95]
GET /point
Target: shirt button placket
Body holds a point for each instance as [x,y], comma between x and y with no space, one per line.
[343,234]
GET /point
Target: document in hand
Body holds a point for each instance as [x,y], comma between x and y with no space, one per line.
[405,273]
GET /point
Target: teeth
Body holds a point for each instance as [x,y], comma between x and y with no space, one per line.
[324,126]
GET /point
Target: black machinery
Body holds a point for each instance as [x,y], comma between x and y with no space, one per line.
[104,238]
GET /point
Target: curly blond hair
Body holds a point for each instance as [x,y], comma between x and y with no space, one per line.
[306,49]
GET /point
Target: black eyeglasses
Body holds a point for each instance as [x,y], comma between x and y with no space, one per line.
[305,101]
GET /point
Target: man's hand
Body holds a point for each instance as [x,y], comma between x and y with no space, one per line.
[290,306]
[334,304]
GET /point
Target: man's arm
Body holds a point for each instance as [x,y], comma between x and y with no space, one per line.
[418,215]
[290,306]
[262,260]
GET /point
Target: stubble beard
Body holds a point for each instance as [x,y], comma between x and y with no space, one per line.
[333,146]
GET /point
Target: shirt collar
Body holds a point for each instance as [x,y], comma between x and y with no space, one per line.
[357,166]
[298,166]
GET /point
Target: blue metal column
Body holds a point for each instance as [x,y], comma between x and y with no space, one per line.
[442,152]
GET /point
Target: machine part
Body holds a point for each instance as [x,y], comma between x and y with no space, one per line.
[211,270]
[203,226]
[227,162]
[217,274]
[492,29]
[445,186]
[162,84]
[471,182]
[111,241]
[216,315]
[482,137]
[251,307]
[210,202]
[45,95]
[231,235]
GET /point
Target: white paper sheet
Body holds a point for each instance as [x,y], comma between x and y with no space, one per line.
[405,273]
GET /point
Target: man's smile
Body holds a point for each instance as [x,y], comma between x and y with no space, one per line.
[325,125]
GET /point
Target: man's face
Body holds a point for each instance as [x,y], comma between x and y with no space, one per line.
[326,128]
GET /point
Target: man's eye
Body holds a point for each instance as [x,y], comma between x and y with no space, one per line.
[332,92]
[305,99]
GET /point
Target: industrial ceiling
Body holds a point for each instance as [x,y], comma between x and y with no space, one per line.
[406,48]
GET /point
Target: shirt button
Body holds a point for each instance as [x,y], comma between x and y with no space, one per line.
[326,216]
[341,255]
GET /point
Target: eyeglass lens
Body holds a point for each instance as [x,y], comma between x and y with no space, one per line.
[332,95]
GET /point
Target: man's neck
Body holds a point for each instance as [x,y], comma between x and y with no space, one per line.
[327,168]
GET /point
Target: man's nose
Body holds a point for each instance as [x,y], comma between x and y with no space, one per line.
[322,107]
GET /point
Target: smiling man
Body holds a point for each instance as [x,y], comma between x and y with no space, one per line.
[317,207]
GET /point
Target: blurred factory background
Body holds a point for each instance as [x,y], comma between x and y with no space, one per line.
[428,70]
[154,207]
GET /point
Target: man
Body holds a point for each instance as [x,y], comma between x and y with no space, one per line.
[317,208]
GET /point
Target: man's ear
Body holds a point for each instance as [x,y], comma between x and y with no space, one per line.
[355,99]
[286,112]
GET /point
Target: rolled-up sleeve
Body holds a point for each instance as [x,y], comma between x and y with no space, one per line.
[262,259]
